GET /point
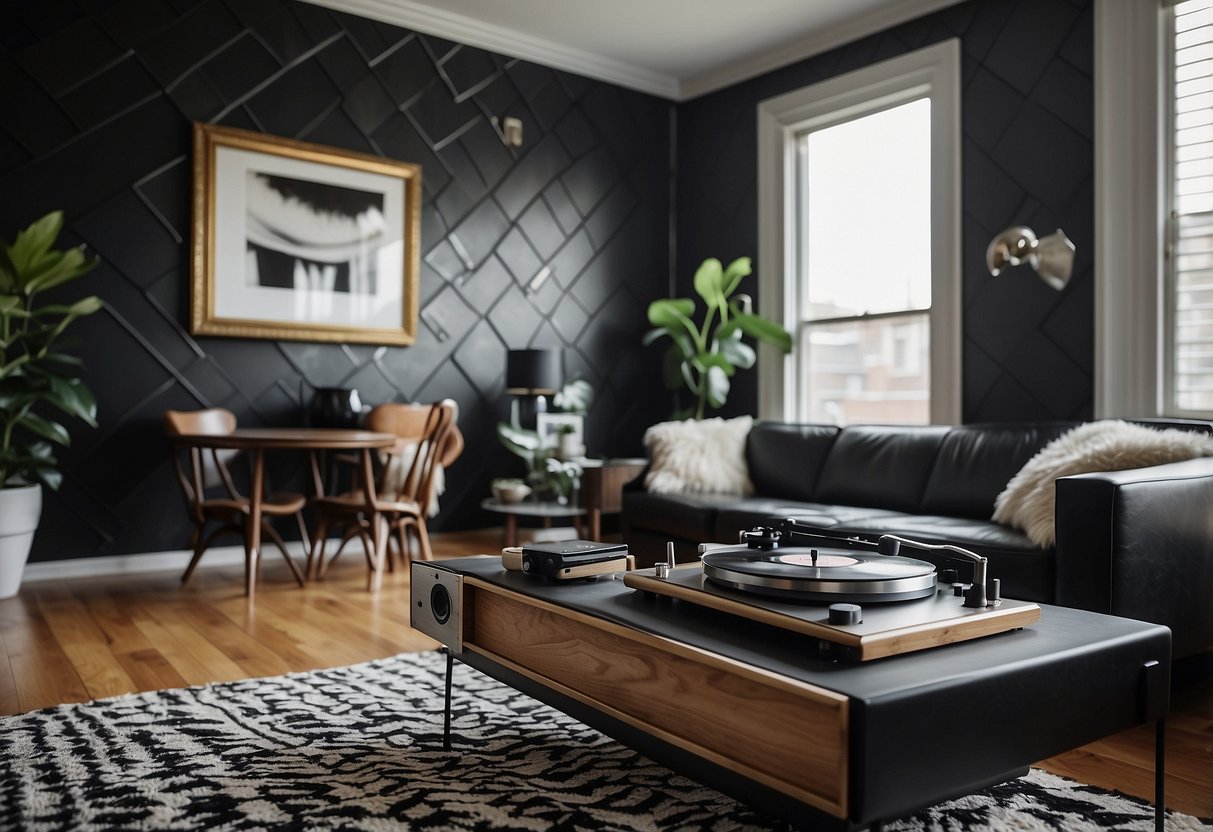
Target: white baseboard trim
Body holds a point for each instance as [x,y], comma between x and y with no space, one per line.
[149,562]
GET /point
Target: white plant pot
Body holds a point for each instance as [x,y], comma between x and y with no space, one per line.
[20,509]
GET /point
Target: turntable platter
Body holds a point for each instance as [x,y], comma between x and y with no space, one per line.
[820,574]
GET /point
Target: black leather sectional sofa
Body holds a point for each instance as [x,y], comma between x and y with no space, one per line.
[1135,543]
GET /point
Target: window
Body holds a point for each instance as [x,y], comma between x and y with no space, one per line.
[1153,133]
[866,178]
[1188,291]
[859,244]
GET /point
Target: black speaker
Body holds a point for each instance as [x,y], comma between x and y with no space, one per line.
[437,604]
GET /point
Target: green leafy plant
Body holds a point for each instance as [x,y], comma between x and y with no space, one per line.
[705,357]
[575,396]
[546,475]
[33,373]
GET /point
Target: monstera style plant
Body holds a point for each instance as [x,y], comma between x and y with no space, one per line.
[704,357]
[36,380]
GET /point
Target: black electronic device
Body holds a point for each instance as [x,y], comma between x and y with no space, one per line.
[571,558]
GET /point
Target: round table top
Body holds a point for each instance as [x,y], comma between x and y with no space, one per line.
[532,509]
[330,438]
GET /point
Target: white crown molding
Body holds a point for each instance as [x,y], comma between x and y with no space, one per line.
[813,44]
[136,564]
[467,30]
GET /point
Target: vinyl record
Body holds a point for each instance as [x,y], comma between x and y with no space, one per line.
[837,575]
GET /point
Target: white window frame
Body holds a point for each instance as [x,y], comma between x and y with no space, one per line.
[932,72]
[1130,195]
[1133,173]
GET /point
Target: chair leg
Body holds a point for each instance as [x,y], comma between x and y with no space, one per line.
[303,535]
[402,536]
[379,534]
[281,544]
[423,539]
[196,544]
[315,553]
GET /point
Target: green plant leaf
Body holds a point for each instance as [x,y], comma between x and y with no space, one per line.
[575,396]
[717,385]
[652,335]
[709,282]
[733,274]
[706,360]
[520,442]
[737,352]
[58,269]
[32,245]
[45,428]
[674,314]
[72,397]
[760,328]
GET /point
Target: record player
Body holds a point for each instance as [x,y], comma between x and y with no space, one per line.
[856,599]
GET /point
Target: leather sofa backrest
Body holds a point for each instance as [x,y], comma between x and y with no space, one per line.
[785,459]
[883,466]
[975,463]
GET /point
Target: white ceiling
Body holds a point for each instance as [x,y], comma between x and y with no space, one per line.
[673,48]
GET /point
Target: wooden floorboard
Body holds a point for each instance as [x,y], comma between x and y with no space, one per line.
[72,640]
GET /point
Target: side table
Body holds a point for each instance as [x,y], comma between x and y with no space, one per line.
[602,488]
[546,511]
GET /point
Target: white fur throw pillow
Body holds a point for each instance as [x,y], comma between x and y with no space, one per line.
[705,456]
[1028,502]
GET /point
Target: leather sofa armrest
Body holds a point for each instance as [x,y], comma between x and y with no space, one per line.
[1139,544]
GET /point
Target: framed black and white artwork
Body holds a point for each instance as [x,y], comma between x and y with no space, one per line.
[298,241]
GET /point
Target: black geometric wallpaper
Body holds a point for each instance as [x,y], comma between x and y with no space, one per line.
[1028,159]
[97,100]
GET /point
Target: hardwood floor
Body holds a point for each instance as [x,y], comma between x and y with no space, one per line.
[79,639]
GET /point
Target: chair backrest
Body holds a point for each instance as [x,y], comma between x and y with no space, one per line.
[425,434]
[208,468]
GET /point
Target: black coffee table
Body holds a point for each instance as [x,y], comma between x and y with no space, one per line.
[760,714]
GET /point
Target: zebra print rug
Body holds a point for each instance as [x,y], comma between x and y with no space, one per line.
[359,748]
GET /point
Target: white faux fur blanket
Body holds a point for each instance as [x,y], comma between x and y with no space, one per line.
[1028,502]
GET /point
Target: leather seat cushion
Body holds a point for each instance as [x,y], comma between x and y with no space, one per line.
[690,516]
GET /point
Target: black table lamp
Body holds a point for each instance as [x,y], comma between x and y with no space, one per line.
[532,372]
[531,375]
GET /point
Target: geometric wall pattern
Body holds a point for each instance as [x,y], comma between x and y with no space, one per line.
[98,100]
[1028,159]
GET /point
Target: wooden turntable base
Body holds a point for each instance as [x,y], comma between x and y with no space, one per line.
[887,629]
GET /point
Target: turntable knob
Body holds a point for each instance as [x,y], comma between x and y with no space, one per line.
[949,576]
[958,589]
[846,614]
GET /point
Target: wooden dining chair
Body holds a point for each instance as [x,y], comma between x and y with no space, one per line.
[202,471]
[404,488]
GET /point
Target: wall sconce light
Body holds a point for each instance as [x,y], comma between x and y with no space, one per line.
[510,130]
[1052,257]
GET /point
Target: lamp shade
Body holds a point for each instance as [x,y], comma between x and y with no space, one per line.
[532,372]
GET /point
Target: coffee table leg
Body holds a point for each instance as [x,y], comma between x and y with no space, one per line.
[511,530]
[1160,774]
[446,724]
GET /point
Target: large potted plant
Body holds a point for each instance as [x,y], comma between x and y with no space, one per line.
[35,379]
[704,357]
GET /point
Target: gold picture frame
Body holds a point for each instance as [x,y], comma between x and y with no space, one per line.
[297,241]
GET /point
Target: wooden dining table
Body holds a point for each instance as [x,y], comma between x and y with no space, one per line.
[256,441]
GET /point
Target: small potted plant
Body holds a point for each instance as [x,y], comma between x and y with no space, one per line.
[35,377]
[569,446]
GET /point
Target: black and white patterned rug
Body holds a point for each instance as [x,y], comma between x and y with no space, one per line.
[360,748]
